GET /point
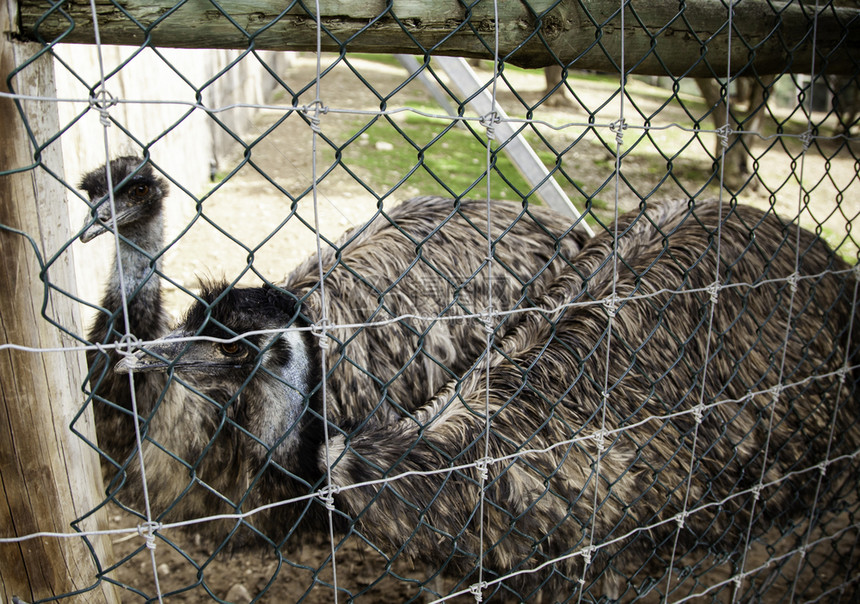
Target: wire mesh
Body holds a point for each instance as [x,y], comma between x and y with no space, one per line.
[461,398]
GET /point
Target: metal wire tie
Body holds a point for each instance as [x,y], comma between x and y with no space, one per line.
[792,280]
[320,331]
[127,344]
[714,291]
[486,319]
[618,127]
[775,392]
[611,305]
[489,122]
[598,439]
[756,491]
[326,495]
[723,133]
[586,554]
[147,531]
[698,413]
[318,109]
[843,372]
[482,466]
[101,101]
[806,139]
[476,589]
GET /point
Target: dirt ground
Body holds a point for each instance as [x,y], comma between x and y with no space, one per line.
[250,208]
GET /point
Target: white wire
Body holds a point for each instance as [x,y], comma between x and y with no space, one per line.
[477,589]
[714,300]
[838,400]
[612,304]
[597,125]
[114,228]
[430,318]
[328,495]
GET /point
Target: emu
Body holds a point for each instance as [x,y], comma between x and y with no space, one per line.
[139,195]
[636,416]
[426,257]
[138,199]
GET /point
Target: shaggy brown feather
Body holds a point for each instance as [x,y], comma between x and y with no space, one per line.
[669,349]
[426,257]
[643,334]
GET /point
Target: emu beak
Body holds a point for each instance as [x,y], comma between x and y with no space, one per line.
[103,222]
[92,231]
[157,357]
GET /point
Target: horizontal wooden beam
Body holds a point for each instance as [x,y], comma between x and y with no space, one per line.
[659,37]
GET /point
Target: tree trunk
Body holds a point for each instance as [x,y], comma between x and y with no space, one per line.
[556,97]
[48,475]
[745,115]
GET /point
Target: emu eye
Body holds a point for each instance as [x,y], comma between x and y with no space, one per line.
[140,191]
[231,348]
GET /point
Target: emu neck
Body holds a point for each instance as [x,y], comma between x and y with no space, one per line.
[146,320]
[138,247]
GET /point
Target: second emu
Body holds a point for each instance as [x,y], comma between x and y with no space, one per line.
[644,415]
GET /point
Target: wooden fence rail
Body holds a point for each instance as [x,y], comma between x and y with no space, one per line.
[659,37]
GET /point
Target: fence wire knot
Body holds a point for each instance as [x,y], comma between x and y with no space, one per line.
[477,590]
[611,305]
[147,531]
[792,280]
[775,392]
[482,465]
[489,122]
[698,413]
[856,271]
[127,344]
[681,519]
[320,331]
[806,139]
[756,492]
[102,101]
[486,319]
[723,133]
[843,373]
[327,494]
[586,555]
[600,436]
[714,291]
[618,127]
[313,112]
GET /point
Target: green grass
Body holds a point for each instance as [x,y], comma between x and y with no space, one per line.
[456,157]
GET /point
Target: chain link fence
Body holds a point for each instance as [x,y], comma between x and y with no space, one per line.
[342,344]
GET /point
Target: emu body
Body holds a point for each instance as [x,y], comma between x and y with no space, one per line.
[646,411]
[641,414]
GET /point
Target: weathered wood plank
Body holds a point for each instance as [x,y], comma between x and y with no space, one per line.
[48,475]
[687,38]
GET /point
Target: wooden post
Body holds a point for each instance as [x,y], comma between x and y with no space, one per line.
[48,475]
[690,38]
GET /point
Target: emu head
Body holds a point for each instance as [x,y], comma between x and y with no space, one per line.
[260,377]
[138,195]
